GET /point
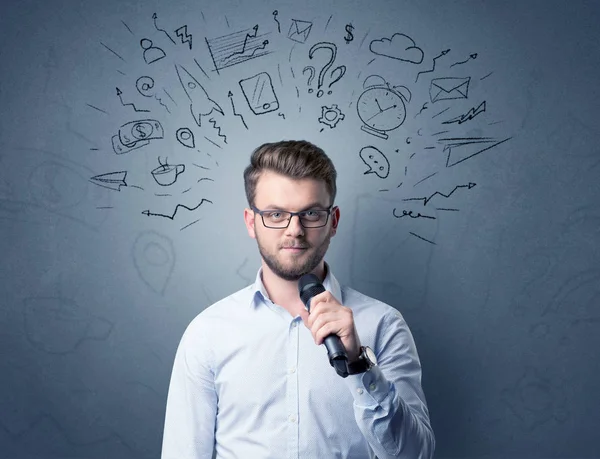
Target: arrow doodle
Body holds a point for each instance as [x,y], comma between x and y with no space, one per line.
[148,213]
[119,93]
[230,95]
[426,200]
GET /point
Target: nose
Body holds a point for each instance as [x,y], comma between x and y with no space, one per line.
[295,228]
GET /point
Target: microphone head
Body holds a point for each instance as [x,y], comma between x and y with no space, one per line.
[309,285]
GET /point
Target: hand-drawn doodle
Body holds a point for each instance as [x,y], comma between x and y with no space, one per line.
[154,259]
[333,53]
[275,13]
[259,93]
[119,56]
[424,107]
[427,199]
[185,137]
[472,113]
[230,95]
[299,30]
[44,315]
[135,131]
[201,105]
[144,84]
[99,109]
[182,33]
[166,174]
[151,53]
[119,94]
[409,213]
[399,46]
[119,148]
[154,17]
[110,180]
[376,161]
[349,35]
[172,216]
[218,128]
[462,148]
[331,116]
[443,53]
[311,77]
[449,88]
[237,47]
[534,399]
[472,56]
[381,107]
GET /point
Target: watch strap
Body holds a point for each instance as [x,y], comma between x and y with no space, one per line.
[361,365]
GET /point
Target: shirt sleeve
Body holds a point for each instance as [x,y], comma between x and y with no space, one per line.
[190,416]
[389,404]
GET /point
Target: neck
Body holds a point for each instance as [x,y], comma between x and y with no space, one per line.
[285,293]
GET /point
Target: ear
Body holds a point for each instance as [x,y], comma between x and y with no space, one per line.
[249,220]
[335,220]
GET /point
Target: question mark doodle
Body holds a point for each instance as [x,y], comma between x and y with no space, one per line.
[342,71]
[311,77]
[333,50]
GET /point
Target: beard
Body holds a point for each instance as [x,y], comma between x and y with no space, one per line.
[293,270]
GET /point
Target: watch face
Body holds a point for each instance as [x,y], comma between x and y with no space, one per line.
[381,108]
[371,355]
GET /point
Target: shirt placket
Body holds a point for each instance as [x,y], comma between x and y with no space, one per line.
[292,402]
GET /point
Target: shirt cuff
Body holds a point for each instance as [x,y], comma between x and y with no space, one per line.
[370,388]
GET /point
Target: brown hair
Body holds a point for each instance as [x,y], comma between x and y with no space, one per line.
[296,159]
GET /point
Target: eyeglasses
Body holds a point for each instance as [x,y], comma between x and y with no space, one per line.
[279,219]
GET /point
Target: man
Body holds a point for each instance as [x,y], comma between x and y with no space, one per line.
[250,383]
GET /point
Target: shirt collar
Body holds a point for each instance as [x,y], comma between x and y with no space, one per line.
[259,293]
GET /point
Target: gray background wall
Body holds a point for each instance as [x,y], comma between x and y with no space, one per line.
[499,281]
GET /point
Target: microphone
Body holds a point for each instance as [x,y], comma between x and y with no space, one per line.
[309,285]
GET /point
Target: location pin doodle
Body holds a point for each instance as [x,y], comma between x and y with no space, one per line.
[154,258]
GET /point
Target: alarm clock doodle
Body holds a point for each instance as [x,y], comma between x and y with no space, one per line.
[382,107]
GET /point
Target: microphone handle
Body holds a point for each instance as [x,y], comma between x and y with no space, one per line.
[337,354]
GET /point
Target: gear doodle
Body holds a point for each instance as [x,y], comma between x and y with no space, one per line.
[331,116]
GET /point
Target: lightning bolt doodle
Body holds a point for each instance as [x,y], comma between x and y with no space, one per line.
[214,123]
[230,95]
[148,213]
[467,116]
[426,200]
[443,53]
[185,37]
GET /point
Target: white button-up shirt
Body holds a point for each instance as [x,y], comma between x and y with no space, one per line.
[249,381]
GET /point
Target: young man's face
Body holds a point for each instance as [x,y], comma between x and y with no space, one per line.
[293,251]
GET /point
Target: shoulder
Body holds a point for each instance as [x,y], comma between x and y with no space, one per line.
[364,304]
[227,309]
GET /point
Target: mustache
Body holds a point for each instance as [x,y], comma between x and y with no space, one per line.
[295,245]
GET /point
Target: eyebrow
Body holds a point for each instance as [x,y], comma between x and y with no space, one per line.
[310,206]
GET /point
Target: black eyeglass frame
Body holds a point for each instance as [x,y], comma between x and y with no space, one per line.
[292,214]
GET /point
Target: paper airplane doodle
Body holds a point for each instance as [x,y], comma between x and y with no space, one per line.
[201,105]
[111,180]
[462,148]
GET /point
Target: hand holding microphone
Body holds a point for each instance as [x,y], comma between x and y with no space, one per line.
[330,323]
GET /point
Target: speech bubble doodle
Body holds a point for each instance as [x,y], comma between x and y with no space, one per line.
[376,161]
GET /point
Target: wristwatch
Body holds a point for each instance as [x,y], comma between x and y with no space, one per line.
[366,361]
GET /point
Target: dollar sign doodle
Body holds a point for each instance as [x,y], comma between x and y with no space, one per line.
[349,37]
[140,130]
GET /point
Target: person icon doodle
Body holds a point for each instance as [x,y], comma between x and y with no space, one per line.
[151,53]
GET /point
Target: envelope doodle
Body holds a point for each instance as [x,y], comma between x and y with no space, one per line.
[299,30]
[449,88]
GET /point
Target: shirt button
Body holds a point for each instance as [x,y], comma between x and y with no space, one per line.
[292,418]
[359,390]
[292,370]
[294,324]
[372,386]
